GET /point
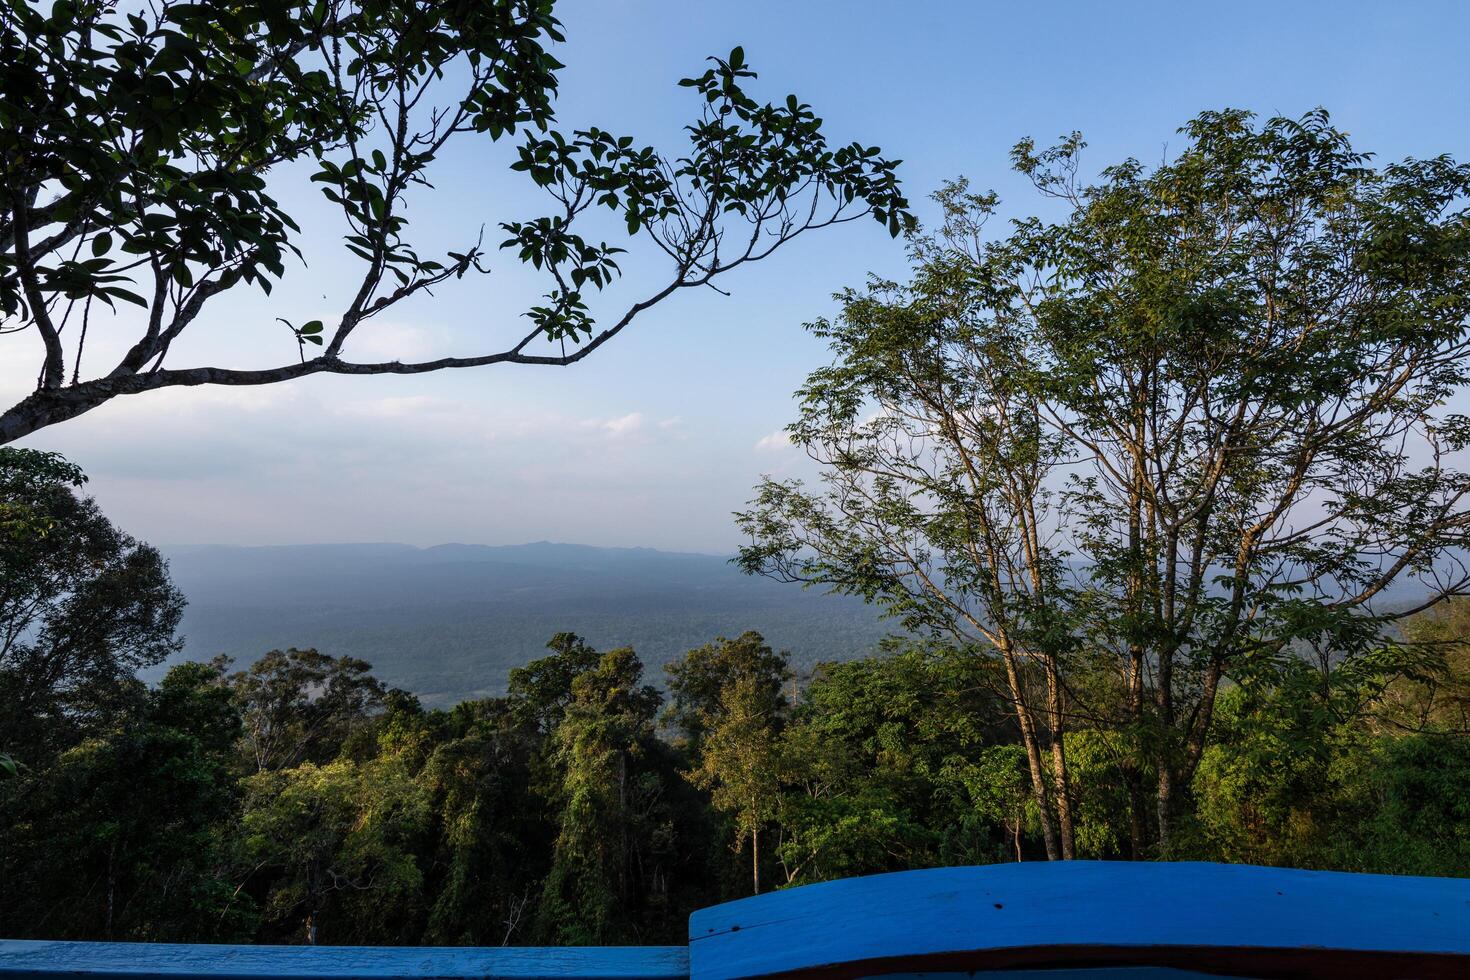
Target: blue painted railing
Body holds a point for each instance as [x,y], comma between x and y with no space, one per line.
[1069,919]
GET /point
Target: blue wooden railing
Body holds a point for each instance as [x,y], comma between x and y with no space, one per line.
[1069,919]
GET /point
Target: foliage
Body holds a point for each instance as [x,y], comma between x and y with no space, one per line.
[699,679]
[882,757]
[493,847]
[301,800]
[542,690]
[614,835]
[339,841]
[740,763]
[299,705]
[1404,809]
[28,477]
[1197,425]
[82,607]
[144,148]
[126,834]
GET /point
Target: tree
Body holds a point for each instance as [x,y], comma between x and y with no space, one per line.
[728,708]
[1194,427]
[300,705]
[494,837]
[612,828]
[740,762]
[1433,693]
[126,835]
[882,759]
[83,606]
[541,690]
[698,681]
[141,147]
[337,836]
[25,478]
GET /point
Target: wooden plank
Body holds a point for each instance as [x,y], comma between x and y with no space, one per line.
[28,960]
[1224,919]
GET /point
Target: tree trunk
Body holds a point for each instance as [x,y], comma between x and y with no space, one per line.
[1064,798]
[755,859]
[1060,781]
[1137,835]
[1165,808]
[111,886]
[1033,756]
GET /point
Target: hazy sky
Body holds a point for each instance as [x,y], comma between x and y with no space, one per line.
[657,437]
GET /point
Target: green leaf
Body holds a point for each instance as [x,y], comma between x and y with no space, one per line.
[125,295]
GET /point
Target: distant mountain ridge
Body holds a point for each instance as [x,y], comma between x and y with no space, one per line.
[449,622]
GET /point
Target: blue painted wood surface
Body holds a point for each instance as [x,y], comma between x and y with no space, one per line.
[1087,912]
[99,961]
[1088,920]
[1073,973]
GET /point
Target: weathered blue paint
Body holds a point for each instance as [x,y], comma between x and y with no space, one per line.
[1085,912]
[1071,973]
[1076,920]
[25,960]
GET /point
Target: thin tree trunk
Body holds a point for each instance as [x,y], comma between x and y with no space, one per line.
[1061,783]
[1165,808]
[1164,803]
[1133,772]
[111,885]
[1033,756]
[755,859]
[1136,821]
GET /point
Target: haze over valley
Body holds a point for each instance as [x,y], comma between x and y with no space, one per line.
[449,622]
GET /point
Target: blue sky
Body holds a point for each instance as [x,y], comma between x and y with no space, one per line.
[659,436]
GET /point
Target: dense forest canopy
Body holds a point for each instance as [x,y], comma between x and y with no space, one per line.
[302,800]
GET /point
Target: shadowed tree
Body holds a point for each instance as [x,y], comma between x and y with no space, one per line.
[496,839]
[143,146]
[613,827]
[126,834]
[82,607]
[301,705]
[338,837]
[541,690]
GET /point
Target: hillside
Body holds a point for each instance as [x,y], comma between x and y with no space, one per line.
[449,622]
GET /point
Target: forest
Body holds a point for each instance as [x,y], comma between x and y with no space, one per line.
[1160,482]
[301,801]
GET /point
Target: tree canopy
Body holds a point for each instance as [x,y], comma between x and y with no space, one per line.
[143,150]
[298,800]
[83,605]
[1196,426]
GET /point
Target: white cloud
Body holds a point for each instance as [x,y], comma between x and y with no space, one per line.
[625,425]
[775,442]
